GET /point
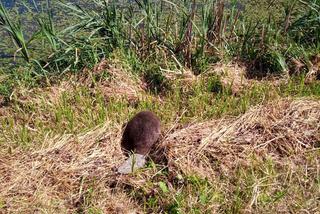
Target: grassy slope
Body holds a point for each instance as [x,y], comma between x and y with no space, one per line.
[59,140]
[40,121]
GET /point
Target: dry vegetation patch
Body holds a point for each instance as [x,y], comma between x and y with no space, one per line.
[71,173]
[67,174]
[109,78]
[120,81]
[279,129]
[233,75]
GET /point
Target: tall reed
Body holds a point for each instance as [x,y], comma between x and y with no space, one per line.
[14,29]
[186,32]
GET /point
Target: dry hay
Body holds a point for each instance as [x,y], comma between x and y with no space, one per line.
[185,75]
[57,177]
[312,66]
[279,129]
[314,69]
[232,75]
[50,94]
[71,173]
[120,82]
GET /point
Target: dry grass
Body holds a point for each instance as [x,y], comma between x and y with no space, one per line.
[279,129]
[71,173]
[49,94]
[232,75]
[121,82]
[65,175]
[74,173]
[109,78]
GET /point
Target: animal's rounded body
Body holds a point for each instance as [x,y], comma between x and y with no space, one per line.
[141,133]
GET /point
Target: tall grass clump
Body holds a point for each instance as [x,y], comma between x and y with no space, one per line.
[14,29]
[174,34]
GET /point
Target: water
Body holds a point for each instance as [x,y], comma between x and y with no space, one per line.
[11,3]
[21,9]
[8,3]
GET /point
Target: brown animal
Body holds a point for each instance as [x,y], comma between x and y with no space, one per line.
[139,136]
[141,133]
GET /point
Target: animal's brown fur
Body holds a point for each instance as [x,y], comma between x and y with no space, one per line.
[141,133]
